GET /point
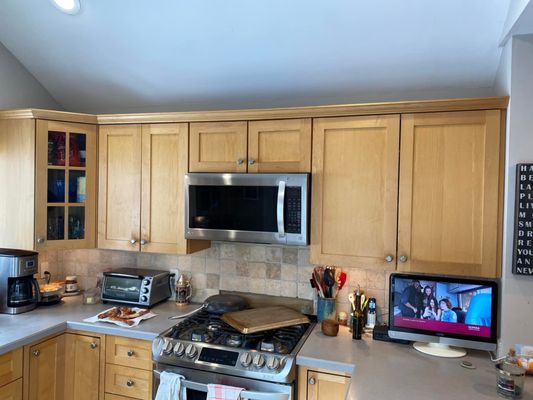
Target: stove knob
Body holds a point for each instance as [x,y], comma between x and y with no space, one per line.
[190,351]
[272,363]
[179,349]
[246,359]
[167,348]
[259,361]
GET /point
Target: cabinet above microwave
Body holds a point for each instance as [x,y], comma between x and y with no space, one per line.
[259,208]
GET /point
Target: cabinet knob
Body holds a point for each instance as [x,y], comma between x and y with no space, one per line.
[130,383]
[143,242]
[251,161]
[94,345]
[131,353]
[40,240]
[239,161]
[311,381]
[389,258]
[133,241]
[403,259]
[36,353]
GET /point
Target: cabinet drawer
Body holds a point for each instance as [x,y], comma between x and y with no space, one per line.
[130,382]
[129,352]
[13,391]
[109,396]
[10,366]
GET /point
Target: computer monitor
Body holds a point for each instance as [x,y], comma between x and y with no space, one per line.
[439,312]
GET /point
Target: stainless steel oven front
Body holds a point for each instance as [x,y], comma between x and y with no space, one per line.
[196,382]
[257,208]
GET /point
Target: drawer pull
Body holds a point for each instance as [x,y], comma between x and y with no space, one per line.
[131,353]
[130,383]
[36,353]
[94,345]
[312,381]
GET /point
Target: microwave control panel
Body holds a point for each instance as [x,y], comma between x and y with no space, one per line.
[293,209]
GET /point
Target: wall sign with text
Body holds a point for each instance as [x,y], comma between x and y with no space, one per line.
[523,228]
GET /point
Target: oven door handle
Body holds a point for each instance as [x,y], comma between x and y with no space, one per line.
[281,208]
[245,394]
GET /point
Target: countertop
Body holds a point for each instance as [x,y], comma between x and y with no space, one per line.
[382,370]
[22,329]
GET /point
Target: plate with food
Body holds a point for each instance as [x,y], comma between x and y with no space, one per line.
[122,316]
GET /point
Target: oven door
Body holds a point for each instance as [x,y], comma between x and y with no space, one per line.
[196,384]
[258,208]
[121,288]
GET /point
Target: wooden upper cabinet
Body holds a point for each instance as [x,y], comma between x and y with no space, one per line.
[65,185]
[119,194]
[449,193]
[218,147]
[355,189]
[279,146]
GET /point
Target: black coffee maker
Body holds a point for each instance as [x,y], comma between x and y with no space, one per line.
[19,290]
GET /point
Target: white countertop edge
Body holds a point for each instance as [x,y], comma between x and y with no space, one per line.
[34,337]
[333,366]
[110,329]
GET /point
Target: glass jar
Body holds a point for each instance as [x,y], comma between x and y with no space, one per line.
[71,284]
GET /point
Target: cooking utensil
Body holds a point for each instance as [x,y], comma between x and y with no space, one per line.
[263,319]
[342,280]
[329,280]
[219,304]
[318,283]
[351,297]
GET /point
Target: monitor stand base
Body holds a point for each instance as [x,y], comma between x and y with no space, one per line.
[440,350]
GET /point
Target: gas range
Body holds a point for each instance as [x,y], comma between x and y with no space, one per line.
[204,342]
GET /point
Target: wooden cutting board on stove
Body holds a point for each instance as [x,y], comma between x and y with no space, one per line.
[263,319]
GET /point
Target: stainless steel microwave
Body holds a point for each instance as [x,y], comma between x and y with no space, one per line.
[257,208]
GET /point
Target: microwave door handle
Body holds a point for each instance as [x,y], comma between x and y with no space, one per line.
[281,208]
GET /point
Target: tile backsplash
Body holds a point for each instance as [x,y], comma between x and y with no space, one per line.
[263,269]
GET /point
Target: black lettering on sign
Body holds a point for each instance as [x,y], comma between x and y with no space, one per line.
[523,226]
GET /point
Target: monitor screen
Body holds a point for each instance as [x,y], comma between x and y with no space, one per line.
[443,307]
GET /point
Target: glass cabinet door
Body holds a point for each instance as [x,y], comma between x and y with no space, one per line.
[66,170]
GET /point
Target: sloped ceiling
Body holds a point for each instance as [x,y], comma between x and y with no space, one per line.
[148,55]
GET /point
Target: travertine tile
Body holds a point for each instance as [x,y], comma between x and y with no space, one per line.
[289,272]
[272,287]
[273,271]
[144,260]
[185,263]
[256,285]
[304,274]
[288,289]
[375,279]
[197,264]
[228,267]
[356,276]
[242,268]
[212,266]
[290,255]
[303,256]
[305,291]
[213,281]
[257,270]
[199,280]
[257,253]
[228,251]
[273,254]
[212,252]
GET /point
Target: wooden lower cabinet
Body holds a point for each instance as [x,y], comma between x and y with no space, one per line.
[109,396]
[130,382]
[83,380]
[321,385]
[129,352]
[10,367]
[11,391]
[46,369]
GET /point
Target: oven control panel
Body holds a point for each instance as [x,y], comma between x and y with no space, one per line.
[248,363]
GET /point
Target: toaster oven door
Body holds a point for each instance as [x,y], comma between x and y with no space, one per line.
[121,288]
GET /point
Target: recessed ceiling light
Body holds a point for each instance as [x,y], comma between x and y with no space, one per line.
[67,6]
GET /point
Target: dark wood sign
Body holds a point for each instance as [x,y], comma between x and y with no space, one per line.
[523,234]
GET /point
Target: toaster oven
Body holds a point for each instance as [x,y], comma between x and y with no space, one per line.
[139,287]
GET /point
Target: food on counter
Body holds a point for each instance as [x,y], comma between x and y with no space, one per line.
[51,287]
[123,314]
[71,284]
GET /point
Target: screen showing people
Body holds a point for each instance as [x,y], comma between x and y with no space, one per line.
[443,307]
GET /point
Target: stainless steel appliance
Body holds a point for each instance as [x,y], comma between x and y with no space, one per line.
[257,208]
[205,350]
[19,290]
[134,286]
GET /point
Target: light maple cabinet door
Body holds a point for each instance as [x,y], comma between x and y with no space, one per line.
[46,369]
[82,367]
[321,385]
[12,391]
[165,150]
[119,193]
[218,147]
[355,189]
[449,193]
[279,146]
[10,366]
[65,185]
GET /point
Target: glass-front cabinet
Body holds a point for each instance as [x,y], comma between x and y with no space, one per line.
[65,198]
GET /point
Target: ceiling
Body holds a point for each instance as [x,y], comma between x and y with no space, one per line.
[167,55]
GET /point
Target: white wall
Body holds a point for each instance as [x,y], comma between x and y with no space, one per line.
[18,88]
[515,78]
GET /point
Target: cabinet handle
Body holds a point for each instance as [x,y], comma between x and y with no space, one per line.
[94,345]
[251,161]
[131,353]
[133,241]
[36,353]
[40,240]
[130,383]
[143,242]
[239,161]
[403,259]
[311,381]
[389,258]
